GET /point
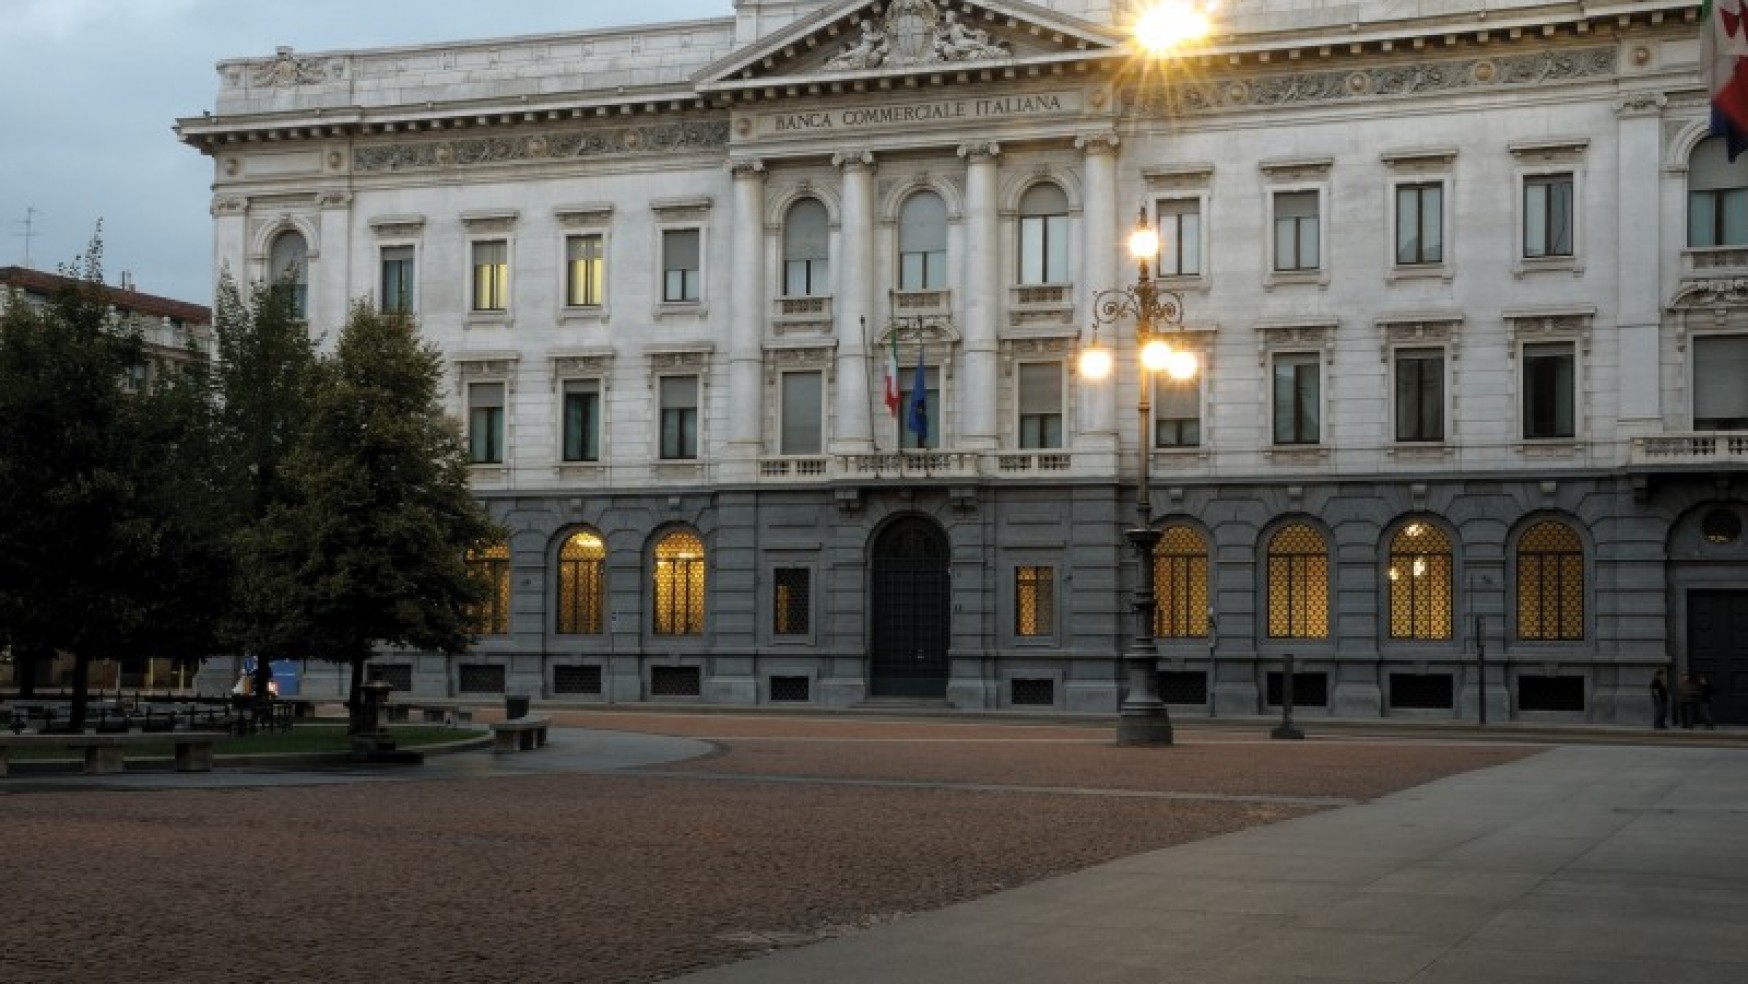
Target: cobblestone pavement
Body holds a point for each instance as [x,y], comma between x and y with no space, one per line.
[792,831]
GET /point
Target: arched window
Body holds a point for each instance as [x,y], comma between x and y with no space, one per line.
[490,565]
[806,250]
[1298,584]
[1717,196]
[1421,583]
[1550,583]
[288,271]
[1180,585]
[582,595]
[1044,235]
[679,584]
[922,242]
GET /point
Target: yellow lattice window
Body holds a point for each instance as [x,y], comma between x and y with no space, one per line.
[679,584]
[582,584]
[1034,601]
[1421,583]
[1298,584]
[490,565]
[1180,585]
[1550,583]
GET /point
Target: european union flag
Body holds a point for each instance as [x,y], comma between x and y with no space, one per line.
[919,403]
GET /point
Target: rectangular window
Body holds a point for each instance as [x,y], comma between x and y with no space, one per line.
[1296,231]
[1180,237]
[803,432]
[679,395]
[491,275]
[1298,398]
[806,278]
[681,263]
[922,271]
[397,279]
[1040,405]
[1420,223]
[931,408]
[582,420]
[792,600]
[585,259]
[1547,215]
[1043,249]
[1034,601]
[485,423]
[1177,412]
[1549,403]
[1718,217]
[1420,395]
[1720,382]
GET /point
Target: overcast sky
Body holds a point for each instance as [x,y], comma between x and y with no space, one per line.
[89,91]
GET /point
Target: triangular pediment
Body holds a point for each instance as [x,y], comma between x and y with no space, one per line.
[862,38]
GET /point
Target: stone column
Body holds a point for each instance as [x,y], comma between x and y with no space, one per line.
[1097,424]
[1638,277]
[977,397]
[854,433]
[747,311]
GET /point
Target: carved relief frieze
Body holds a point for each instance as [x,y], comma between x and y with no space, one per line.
[680,360]
[916,32]
[286,69]
[1418,331]
[659,139]
[1382,82]
[1295,335]
[581,365]
[1548,326]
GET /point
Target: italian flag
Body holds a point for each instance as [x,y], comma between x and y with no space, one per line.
[1725,63]
[892,376]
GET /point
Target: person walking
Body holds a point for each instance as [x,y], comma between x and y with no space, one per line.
[1706,693]
[1659,701]
[1688,696]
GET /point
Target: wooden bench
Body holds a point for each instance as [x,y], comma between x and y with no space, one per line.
[519,734]
[105,754]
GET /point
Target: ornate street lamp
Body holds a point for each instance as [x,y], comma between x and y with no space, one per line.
[1157,312]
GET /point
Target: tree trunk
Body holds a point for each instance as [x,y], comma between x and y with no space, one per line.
[27,664]
[81,690]
[355,713]
[263,702]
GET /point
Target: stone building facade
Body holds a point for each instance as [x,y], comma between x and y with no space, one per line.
[1466,282]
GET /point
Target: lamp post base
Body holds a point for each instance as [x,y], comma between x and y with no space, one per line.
[1148,727]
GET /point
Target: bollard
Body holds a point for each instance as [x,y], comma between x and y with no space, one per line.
[1286,729]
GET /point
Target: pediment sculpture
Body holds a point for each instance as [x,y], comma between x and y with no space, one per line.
[916,32]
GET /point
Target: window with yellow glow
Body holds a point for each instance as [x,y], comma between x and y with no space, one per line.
[1298,584]
[1180,585]
[1550,583]
[1421,583]
[679,584]
[582,584]
[491,566]
[1034,601]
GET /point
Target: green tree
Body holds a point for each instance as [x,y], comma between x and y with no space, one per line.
[371,547]
[103,549]
[266,377]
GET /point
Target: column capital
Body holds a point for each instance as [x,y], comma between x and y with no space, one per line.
[747,168]
[1097,142]
[854,160]
[1641,103]
[980,151]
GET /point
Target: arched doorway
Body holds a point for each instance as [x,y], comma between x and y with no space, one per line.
[912,621]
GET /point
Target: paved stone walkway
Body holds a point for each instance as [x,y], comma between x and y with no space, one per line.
[1583,865]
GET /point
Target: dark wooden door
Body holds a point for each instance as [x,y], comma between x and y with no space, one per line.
[910,608]
[1717,649]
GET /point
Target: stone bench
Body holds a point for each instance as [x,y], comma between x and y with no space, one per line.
[519,734]
[105,754]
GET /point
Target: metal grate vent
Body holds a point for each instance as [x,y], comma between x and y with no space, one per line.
[1550,693]
[576,679]
[790,690]
[396,675]
[675,681]
[479,678]
[1309,690]
[1183,687]
[1033,692]
[1422,691]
